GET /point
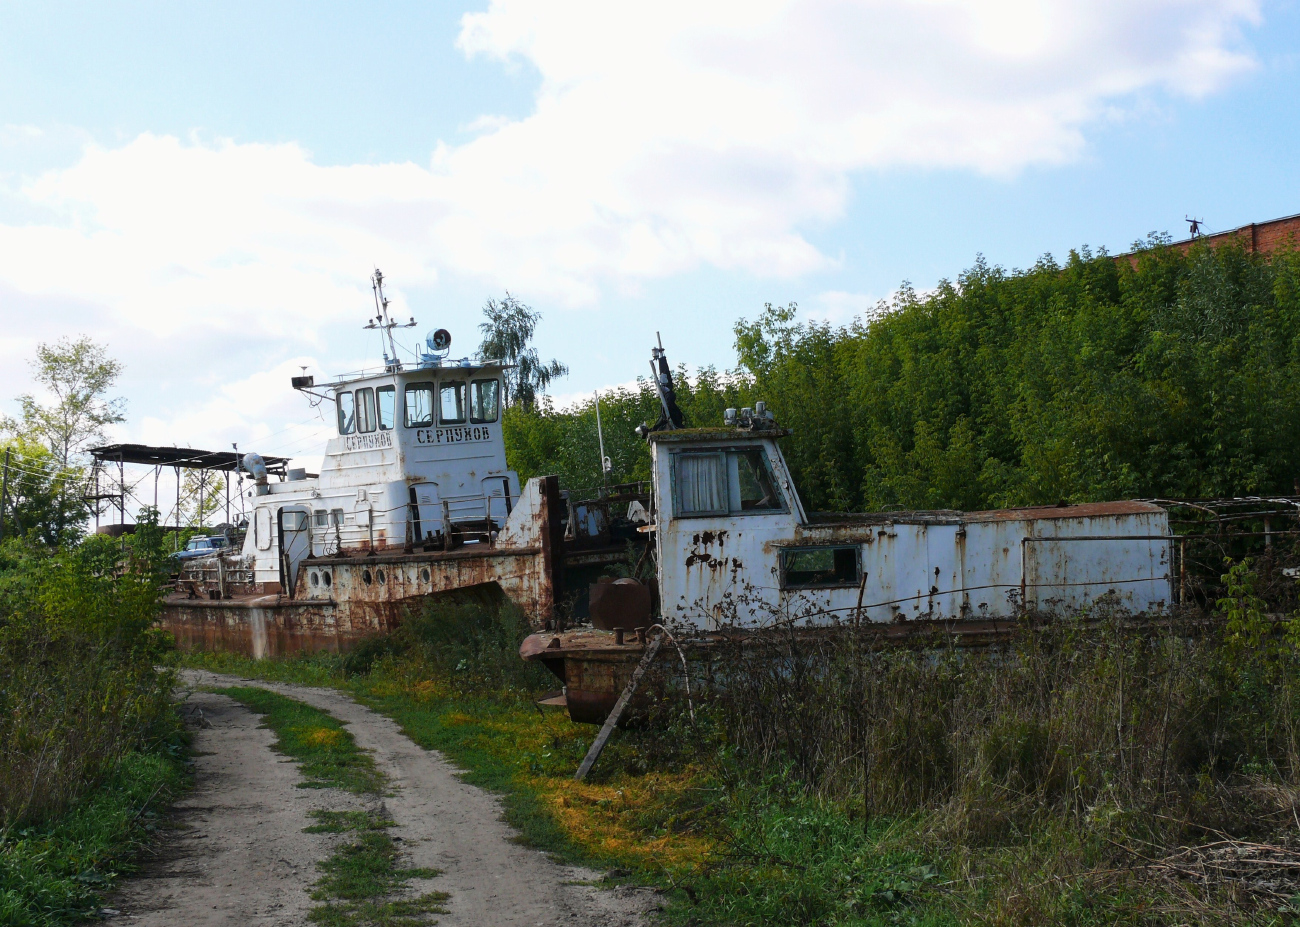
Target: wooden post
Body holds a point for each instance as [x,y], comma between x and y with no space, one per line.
[1182,572]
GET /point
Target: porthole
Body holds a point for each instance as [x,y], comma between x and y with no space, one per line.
[365,577]
[315,578]
[424,574]
[325,579]
[379,575]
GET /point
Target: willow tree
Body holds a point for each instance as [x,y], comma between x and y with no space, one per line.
[508,336]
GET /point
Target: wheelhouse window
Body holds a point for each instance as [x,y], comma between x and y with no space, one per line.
[386,397]
[347,414]
[701,484]
[419,405]
[451,403]
[724,482]
[321,518]
[365,410]
[820,567]
[484,396]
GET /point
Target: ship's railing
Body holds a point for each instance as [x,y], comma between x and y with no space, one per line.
[470,512]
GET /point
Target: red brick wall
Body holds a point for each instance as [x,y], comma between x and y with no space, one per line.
[1264,237]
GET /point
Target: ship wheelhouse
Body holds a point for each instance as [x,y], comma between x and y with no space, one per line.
[417,457]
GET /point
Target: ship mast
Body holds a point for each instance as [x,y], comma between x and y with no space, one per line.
[385,325]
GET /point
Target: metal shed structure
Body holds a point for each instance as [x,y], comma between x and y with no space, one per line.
[178,458]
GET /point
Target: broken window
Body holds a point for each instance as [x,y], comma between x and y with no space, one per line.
[752,487]
[347,414]
[385,396]
[365,410]
[483,401]
[724,482]
[816,567]
[419,405]
[451,404]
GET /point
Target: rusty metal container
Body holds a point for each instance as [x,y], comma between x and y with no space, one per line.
[621,604]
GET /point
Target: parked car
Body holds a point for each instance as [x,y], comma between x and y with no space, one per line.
[200,546]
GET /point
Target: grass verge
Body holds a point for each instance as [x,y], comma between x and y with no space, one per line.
[723,855]
[54,873]
[1084,774]
[362,881]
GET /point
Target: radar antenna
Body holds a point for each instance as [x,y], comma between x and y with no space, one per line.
[386,325]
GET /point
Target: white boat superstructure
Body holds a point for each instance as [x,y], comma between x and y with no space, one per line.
[418,457]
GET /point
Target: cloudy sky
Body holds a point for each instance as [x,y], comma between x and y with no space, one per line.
[207,187]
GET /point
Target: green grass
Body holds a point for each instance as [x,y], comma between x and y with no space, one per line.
[54,874]
[324,750]
[362,881]
[362,877]
[723,856]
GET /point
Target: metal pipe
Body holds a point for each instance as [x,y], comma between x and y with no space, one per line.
[4,494]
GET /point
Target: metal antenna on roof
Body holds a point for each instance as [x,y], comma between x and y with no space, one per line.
[605,465]
[1196,225]
[382,322]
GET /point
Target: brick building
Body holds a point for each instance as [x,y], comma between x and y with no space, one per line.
[1262,237]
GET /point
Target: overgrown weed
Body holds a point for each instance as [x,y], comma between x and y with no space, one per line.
[90,742]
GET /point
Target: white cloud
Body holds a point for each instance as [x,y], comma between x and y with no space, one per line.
[663,139]
[839,307]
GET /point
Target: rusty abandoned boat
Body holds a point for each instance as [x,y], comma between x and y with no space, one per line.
[415,499]
[734,550]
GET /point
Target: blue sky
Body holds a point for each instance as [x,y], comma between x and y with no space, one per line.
[205,188]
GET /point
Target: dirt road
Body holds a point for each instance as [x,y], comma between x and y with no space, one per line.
[239,855]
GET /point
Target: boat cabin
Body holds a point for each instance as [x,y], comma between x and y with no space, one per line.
[417,456]
[735,546]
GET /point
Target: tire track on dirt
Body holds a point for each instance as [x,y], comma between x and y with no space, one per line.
[238,854]
[444,823]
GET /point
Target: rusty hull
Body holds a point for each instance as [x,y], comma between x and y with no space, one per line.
[594,668]
[339,599]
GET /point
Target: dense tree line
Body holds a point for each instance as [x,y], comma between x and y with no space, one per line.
[1172,375]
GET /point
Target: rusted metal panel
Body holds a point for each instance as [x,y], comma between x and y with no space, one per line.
[338,598]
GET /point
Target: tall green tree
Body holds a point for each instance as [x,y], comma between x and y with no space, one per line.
[1167,374]
[48,440]
[76,374]
[508,336]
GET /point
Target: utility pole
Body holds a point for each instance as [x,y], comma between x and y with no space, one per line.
[4,493]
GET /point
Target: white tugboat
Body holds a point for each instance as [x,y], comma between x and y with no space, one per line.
[414,498]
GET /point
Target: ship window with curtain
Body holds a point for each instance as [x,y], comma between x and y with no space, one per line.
[730,481]
[385,396]
[419,405]
[365,410]
[347,414]
[701,484]
[451,404]
[484,397]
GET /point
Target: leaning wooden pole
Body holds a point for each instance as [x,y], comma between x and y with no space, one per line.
[652,648]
